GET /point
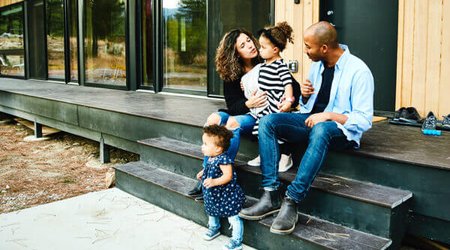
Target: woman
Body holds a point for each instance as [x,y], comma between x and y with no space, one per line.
[236,55]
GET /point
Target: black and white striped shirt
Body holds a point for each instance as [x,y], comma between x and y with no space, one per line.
[273,79]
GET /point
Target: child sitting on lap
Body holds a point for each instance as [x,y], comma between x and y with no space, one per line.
[222,195]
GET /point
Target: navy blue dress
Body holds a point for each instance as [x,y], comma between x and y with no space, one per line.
[224,200]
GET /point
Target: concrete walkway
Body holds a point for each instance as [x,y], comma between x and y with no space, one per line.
[109,220]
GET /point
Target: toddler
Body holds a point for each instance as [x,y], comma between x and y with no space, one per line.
[274,78]
[223,197]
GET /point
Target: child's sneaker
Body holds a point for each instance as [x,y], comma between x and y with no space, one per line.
[233,245]
[211,234]
[285,163]
[255,162]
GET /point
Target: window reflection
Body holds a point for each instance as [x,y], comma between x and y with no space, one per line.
[55,38]
[105,42]
[147,41]
[11,41]
[185,41]
[73,43]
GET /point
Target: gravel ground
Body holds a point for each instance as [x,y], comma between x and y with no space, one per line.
[37,172]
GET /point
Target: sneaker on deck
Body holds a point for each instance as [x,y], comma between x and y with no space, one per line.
[429,125]
[446,122]
[430,122]
[233,245]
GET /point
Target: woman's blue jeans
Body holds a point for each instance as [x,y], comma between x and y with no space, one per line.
[246,123]
[291,127]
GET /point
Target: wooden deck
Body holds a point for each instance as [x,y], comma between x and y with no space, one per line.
[166,107]
[406,144]
[385,141]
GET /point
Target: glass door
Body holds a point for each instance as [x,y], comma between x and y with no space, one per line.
[185,39]
[377,48]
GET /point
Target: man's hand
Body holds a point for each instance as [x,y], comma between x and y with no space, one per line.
[325,116]
[306,88]
[316,118]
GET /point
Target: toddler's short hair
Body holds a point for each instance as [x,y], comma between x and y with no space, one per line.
[222,135]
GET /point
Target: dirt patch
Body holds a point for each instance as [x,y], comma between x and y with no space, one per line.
[37,172]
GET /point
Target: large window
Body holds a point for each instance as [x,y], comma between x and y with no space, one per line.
[104,41]
[55,39]
[185,44]
[12,61]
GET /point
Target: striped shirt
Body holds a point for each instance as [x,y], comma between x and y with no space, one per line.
[273,79]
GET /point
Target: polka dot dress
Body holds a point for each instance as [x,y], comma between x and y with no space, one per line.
[225,200]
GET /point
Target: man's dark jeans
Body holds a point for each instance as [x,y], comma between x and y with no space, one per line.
[291,127]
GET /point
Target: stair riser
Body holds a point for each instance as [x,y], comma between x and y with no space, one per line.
[365,217]
[352,213]
[189,209]
[421,181]
[166,199]
[173,162]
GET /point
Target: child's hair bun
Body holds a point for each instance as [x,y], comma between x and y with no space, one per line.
[287,30]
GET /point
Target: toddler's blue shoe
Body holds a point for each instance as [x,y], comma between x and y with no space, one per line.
[211,234]
[233,245]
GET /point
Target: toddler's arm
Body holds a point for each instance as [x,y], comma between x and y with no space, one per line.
[285,106]
[199,175]
[226,177]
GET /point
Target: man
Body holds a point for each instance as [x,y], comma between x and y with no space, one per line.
[336,107]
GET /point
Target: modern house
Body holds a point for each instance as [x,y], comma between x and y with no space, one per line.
[139,75]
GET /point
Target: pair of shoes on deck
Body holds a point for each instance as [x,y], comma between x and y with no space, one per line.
[433,126]
[284,165]
[407,116]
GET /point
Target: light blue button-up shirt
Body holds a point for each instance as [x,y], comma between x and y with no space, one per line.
[351,94]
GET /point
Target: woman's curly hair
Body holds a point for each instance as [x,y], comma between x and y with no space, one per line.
[228,63]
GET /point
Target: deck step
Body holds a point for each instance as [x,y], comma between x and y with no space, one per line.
[364,206]
[168,190]
[184,148]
